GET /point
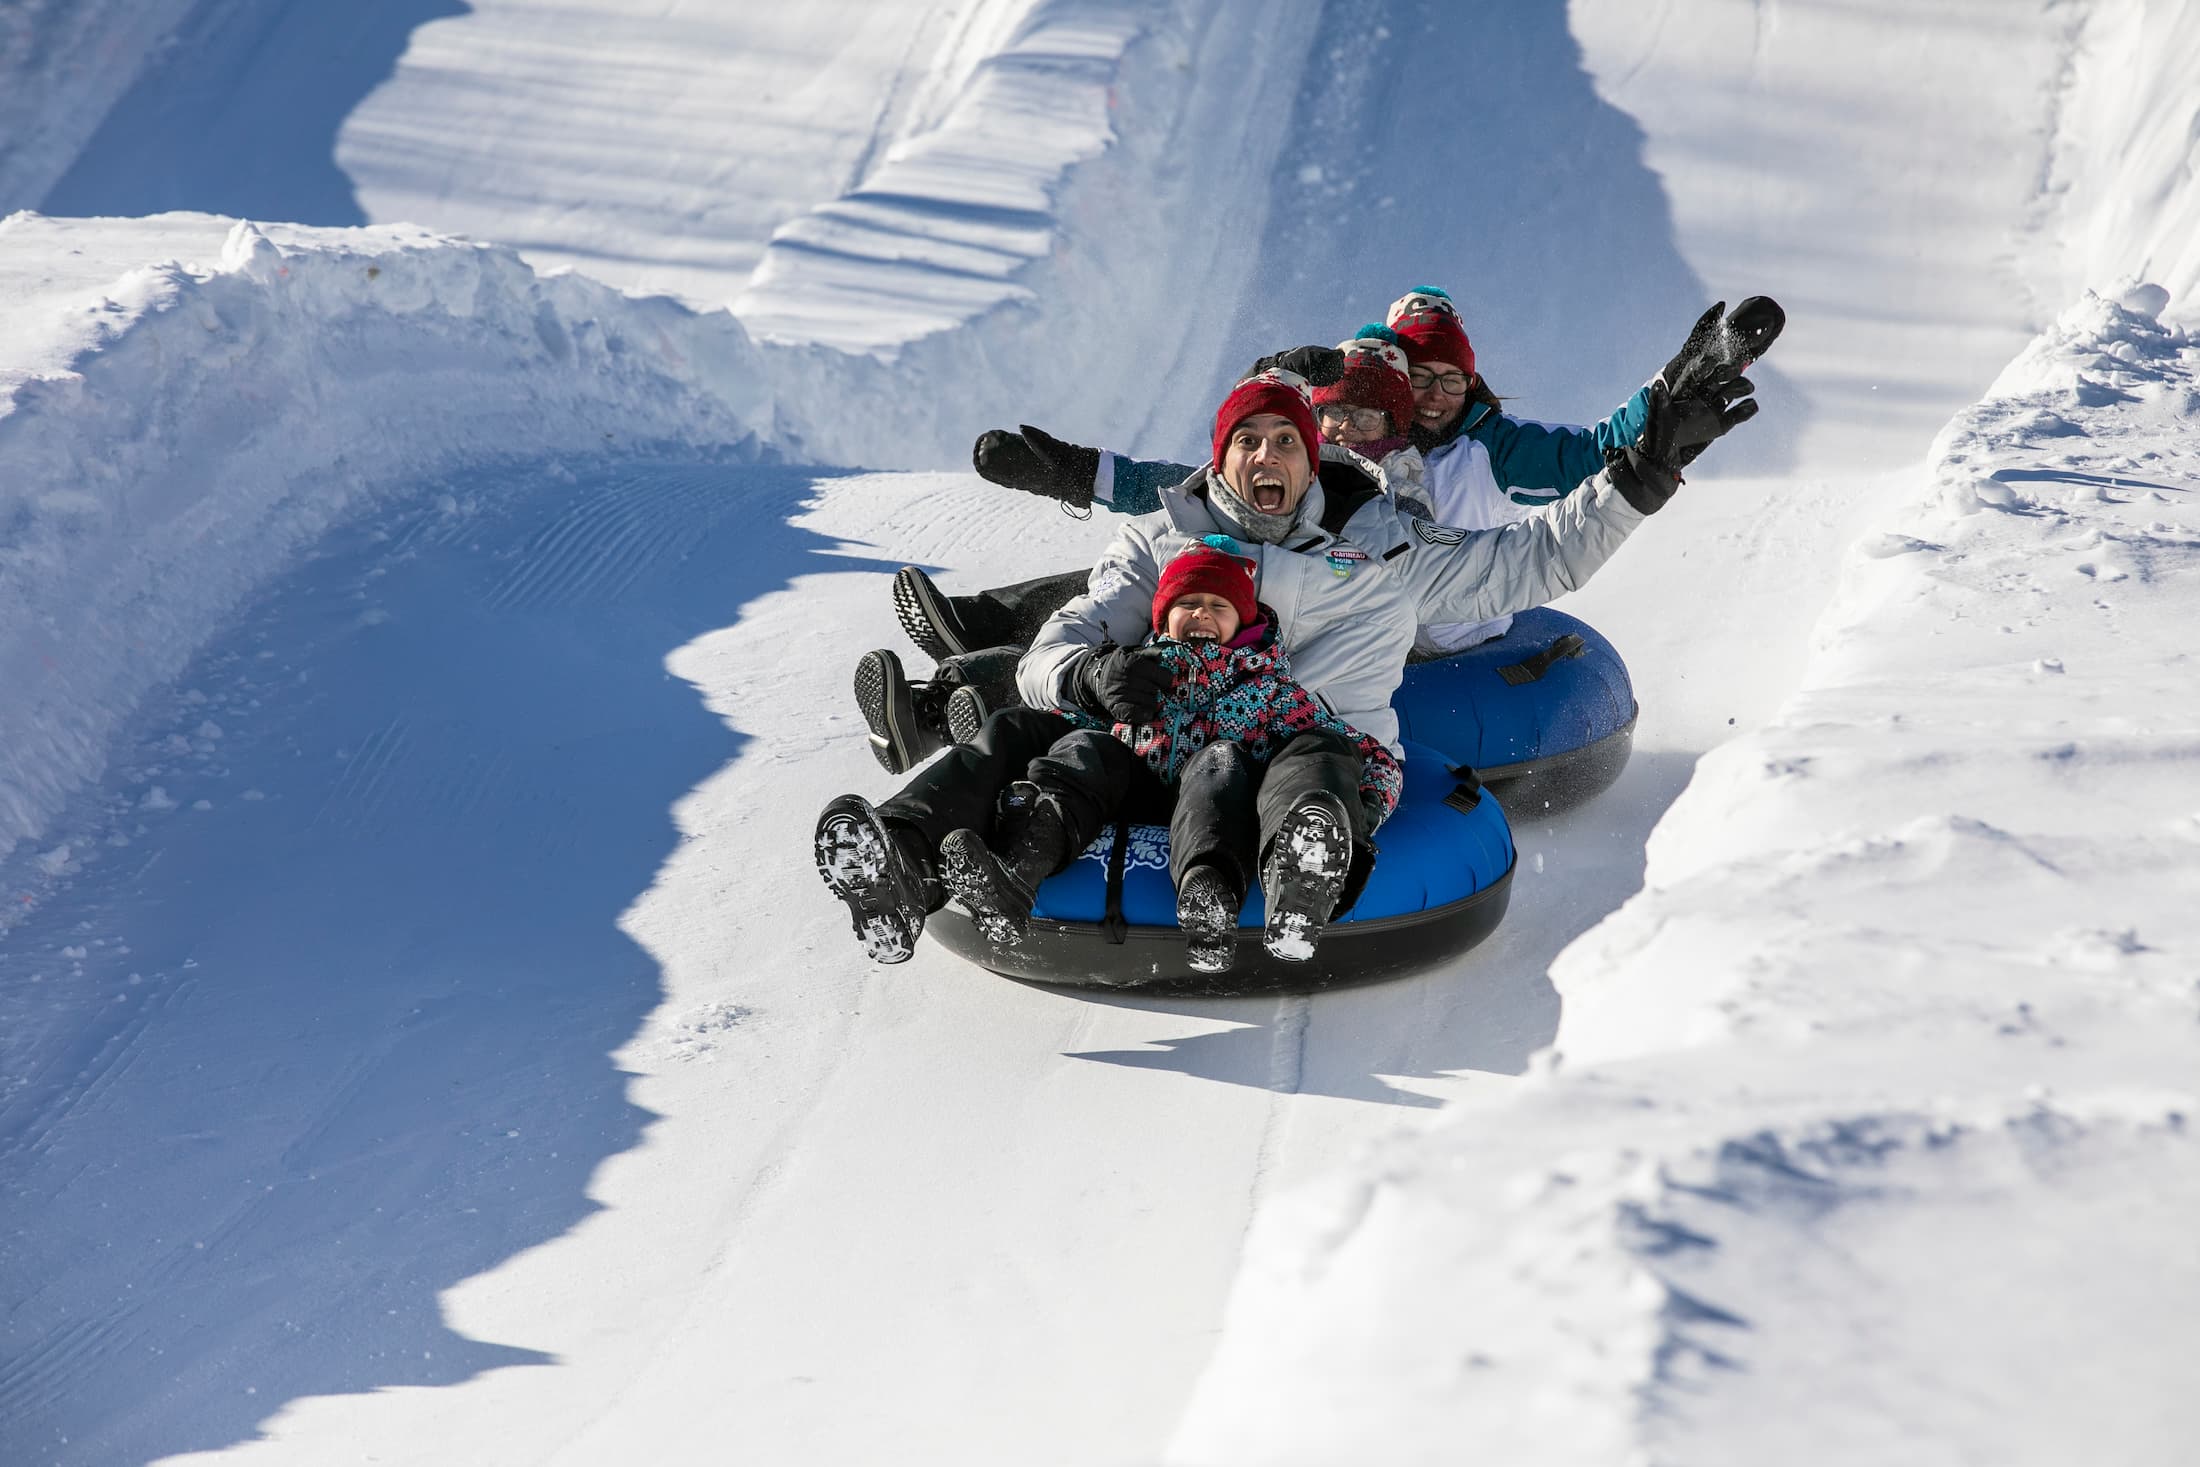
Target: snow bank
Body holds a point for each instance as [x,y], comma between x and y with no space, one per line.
[171,434]
[655,148]
[1866,1134]
[1097,299]
[934,233]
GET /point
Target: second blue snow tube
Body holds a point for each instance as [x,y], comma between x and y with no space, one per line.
[1545,714]
[1440,885]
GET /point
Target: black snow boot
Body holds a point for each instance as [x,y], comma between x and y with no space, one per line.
[1304,874]
[882,872]
[908,721]
[967,711]
[998,890]
[1207,906]
[930,618]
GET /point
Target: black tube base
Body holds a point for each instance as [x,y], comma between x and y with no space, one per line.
[1151,960]
[1535,788]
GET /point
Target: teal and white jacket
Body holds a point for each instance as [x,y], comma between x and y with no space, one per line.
[1490,469]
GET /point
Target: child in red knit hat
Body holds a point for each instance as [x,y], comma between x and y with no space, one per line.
[1228,705]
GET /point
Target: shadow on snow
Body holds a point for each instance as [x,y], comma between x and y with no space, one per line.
[350,1022]
[238,113]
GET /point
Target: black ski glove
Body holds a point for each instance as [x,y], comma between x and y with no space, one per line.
[1699,421]
[1674,432]
[1321,366]
[1718,350]
[1037,463]
[1122,684]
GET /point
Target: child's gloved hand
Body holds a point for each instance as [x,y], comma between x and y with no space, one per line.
[1123,684]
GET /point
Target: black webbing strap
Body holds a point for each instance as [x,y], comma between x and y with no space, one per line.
[1466,794]
[1528,669]
[1114,926]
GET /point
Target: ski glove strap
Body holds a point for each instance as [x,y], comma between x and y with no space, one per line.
[1674,432]
[1640,480]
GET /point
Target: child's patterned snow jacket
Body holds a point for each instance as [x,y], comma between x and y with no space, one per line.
[1246,695]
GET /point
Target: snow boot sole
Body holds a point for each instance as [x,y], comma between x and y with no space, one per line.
[927,617]
[1207,916]
[899,739]
[966,714]
[857,858]
[998,905]
[1307,865]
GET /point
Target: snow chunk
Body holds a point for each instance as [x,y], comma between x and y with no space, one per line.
[2144,300]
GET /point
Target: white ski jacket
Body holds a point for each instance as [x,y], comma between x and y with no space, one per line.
[1355,578]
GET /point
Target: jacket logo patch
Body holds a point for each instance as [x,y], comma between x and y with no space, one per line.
[1438,534]
[1344,560]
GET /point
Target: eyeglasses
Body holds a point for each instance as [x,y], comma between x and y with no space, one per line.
[1366,419]
[1454,384]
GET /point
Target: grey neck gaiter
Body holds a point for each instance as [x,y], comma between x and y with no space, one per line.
[1265,529]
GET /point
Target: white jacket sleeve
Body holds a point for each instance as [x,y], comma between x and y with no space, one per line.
[1473,575]
[1117,607]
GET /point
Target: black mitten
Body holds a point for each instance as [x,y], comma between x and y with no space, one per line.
[1037,463]
[1321,366]
[1123,684]
[1720,347]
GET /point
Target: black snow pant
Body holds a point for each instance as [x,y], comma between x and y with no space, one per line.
[1223,812]
[1010,616]
[1003,622]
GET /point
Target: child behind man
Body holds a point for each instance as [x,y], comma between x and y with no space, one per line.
[1226,705]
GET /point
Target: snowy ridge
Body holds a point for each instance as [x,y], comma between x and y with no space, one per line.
[1047,270]
[936,232]
[210,417]
[1923,946]
[1967,847]
[2120,171]
[653,148]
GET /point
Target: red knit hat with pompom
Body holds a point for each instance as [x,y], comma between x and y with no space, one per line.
[1429,328]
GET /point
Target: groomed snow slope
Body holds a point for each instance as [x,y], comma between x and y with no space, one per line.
[365,668]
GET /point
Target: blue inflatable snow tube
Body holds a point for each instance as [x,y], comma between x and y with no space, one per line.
[1544,715]
[1440,885]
